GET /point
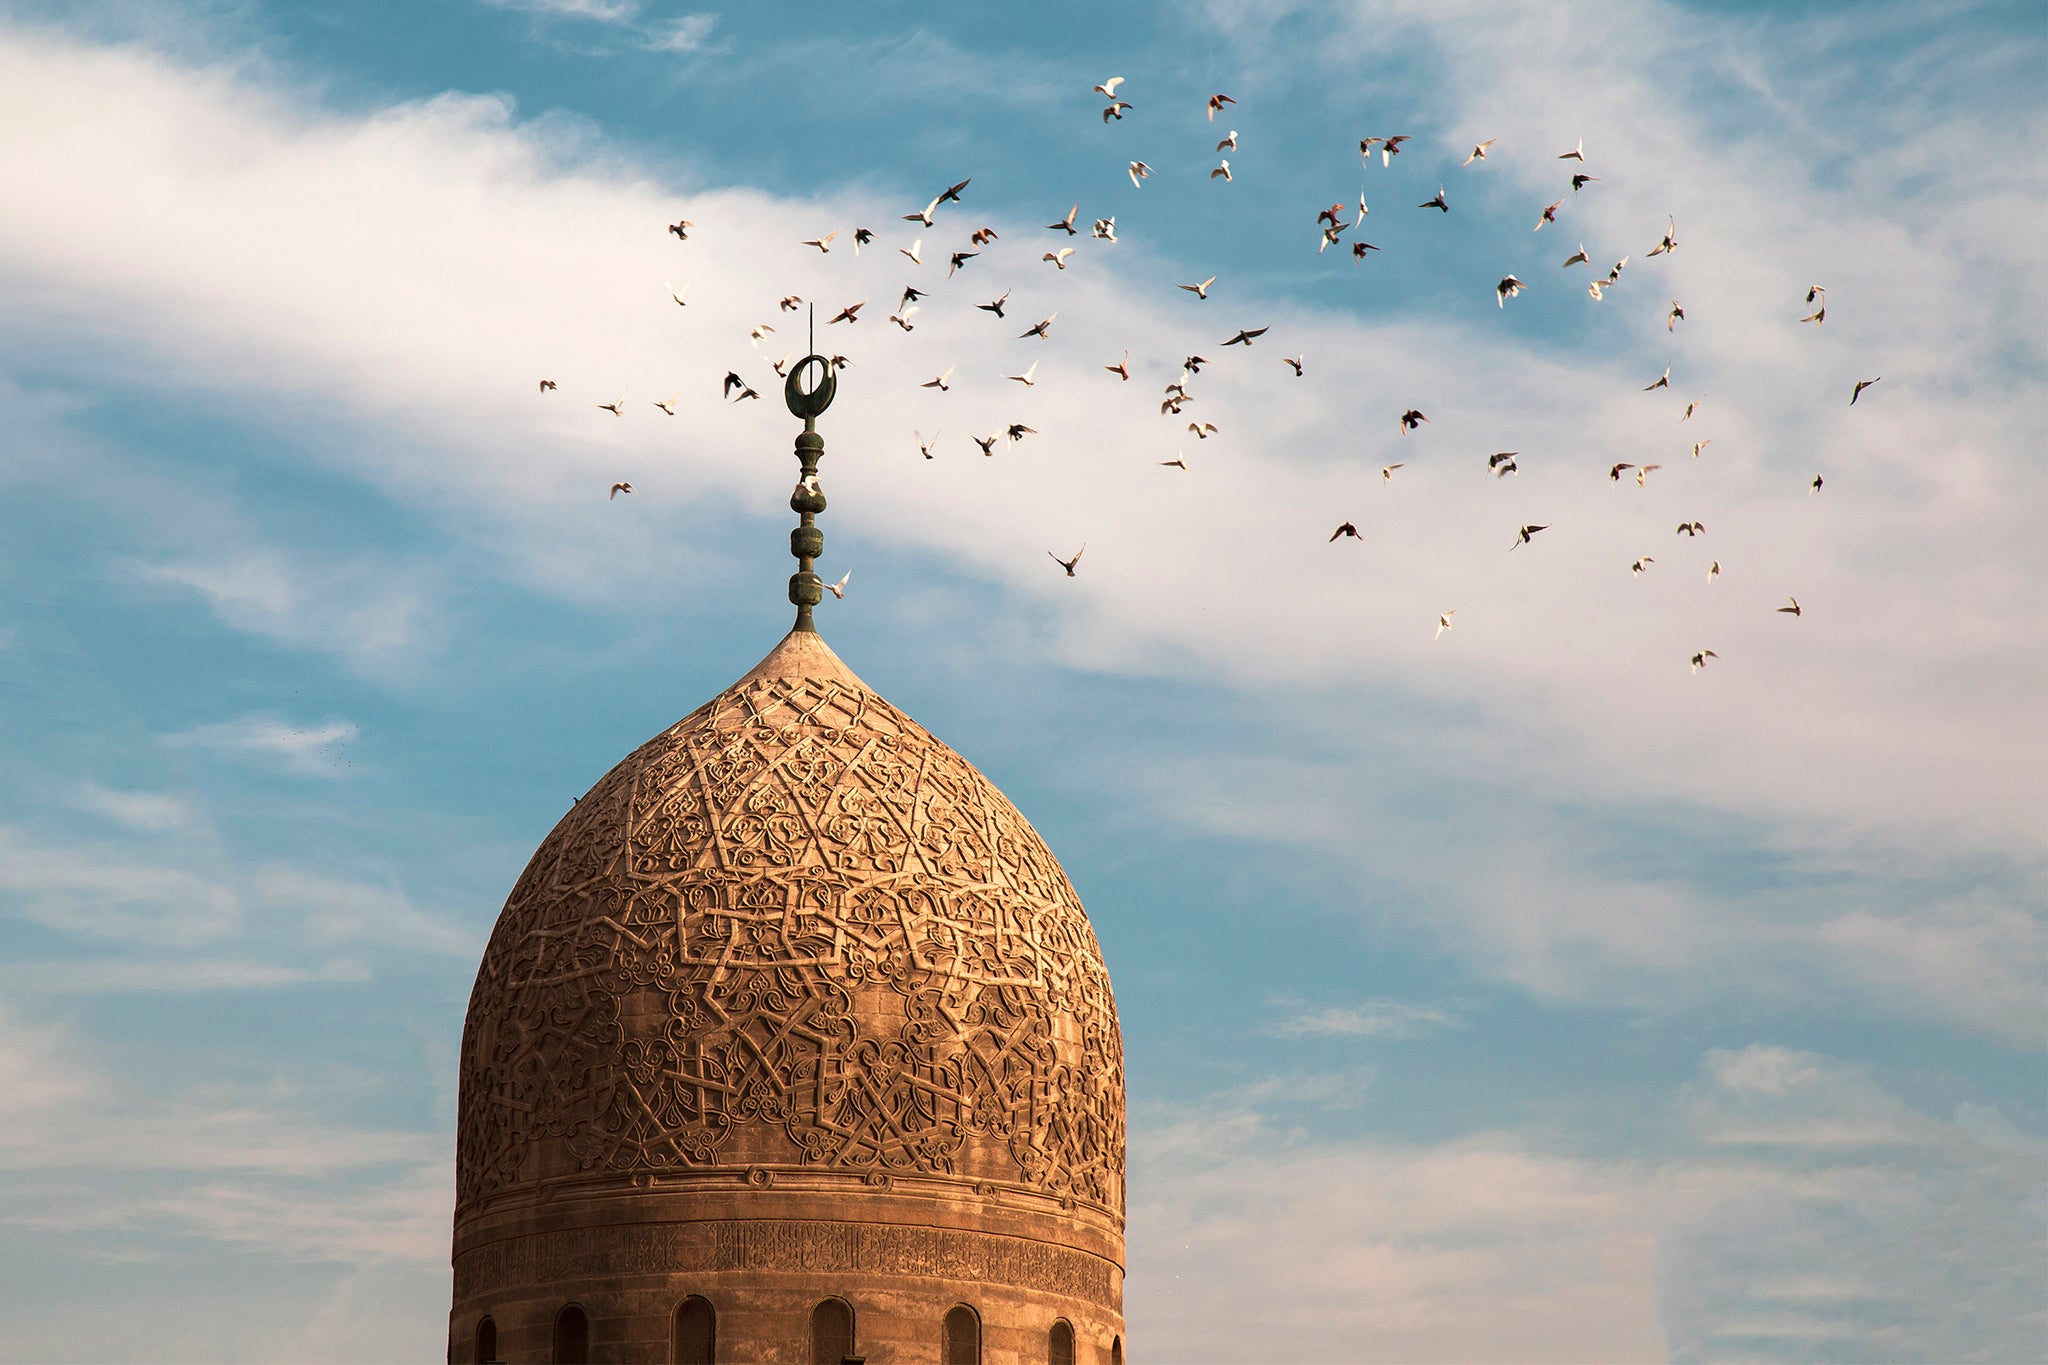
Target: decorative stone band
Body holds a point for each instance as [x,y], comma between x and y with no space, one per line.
[558,1258]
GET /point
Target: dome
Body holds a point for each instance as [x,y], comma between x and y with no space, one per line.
[793,1003]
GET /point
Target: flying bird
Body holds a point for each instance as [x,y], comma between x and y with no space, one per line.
[1508,288]
[1713,572]
[758,334]
[850,313]
[1669,242]
[1815,291]
[1523,536]
[958,259]
[1058,258]
[1068,564]
[1443,622]
[1039,329]
[924,215]
[838,589]
[1390,147]
[1663,381]
[1347,529]
[1614,273]
[1017,431]
[668,404]
[1387,472]
[1122,368]
[1066,224]
[789,303]
[1138,171]
[1222,171]
[1108,88]
[1614,474]
[1814,487]
[1104,229]
[995,305]
[1580,182]
[1698,446]
[1578,257]
[1505,468]
[1690,528]
[548,386]
[1577,153]
[942,383]
[1412,419]
[1501,457]
[911,294]
[677,294]
[1026,378]
[903,319]
[1818,316]
[1794,609]
[1643,474]
[1293,360]
[987,443]
[746,392]
[1115,110]
[861,237]
[951,194]
[1194,363]
[617,407]
[1229,142]
[1436,203]
[822,243]
[1178,462]
[1358,250]
[1549,216]
[681,228]
[1675,316]
[732,381]
[1861,385]
[617,489]
[1246,336]
[1700,657]
[1478,152]
[914,251]
[924,447]
[1200,291]
[982,236]
[1217,102]
[1690,409]
[1598,289]
[1641,566]
[1202,430]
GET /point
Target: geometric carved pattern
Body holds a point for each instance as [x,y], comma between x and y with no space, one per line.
[794,930]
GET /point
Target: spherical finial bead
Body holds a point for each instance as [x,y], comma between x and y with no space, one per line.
[806,589]
[806,542]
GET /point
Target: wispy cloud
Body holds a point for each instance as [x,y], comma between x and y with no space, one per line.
[377,616]
[596,11]
[310,750]
[1368,1019]
[149,812]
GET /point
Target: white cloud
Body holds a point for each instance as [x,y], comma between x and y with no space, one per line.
[114,892]
[687,34]
[149,812]
[596,11]
[312,750]
[374,615]
[1369,1019]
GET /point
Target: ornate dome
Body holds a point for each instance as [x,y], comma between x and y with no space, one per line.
[794,933]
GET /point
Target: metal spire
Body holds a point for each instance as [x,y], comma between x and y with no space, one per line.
[807,542]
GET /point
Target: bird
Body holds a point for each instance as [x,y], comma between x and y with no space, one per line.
[1578,257]
[1202,430]
[924,215]
[1642,565]
[1229,142]
[1508,288]
[1387,472]
[1246,336]
[1577,153]
[617,407]
[781,367]
[1675,316]
[1122,368]
[617,489]
[861,237]
[822,243]
[1222,171]
[1068,564]
[1690,409]
[1217,102]
[924,447]
[1525,535]
[681,228]
[1478,152]
[668,404]
[1614,272]
[1614,474]
[1669,242]
[958,259]
[548,386]
[1643,474]
[903,318]
[1058,258]
[808,484]
[1861,385]
[1347,529]
[1200,291]
[987,443]
[1698,446]
[850,313]
[1501,457]
[1580,182]
[1177,462]
[1293,360]
[1598,289]
[1549,216]
[911,294]
[1026,378]
[1138,171]
[1065,224]
[789,303]
[951,194]
[995,305]
[982,236]
[732,381]
[1108,88]
[1115,110]
[838,589]
[1390,147]
[759,333]
[1505,468]
[1700,657]
[1194,363]
[1818,316]
[1039,329]
[1358,250]
[1814,487]
[913,251]
[1412,419]
[1690,528]
[1436,203]
[1794,609]
[1443,622]
[1713,572]
[1104,229]
[746,392]
[677,294]
[1663,381]
[942,383]
[1017,431]
[1815,291]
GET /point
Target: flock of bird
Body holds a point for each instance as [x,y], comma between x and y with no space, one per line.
[1332,224]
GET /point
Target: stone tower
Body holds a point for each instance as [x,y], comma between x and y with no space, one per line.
[791,1044]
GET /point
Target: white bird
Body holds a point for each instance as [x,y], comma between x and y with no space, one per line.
[924,447]
[1598,289]
[1669,242]
[758,333]
[1104,229]
[1108,88]
[1222,170]
[1698,446]
[942,383]
[1578,257]
[1478,152]
[677,294]
[1200,291]
[1577,153]
[903,319]
[668,404]
[1663,381]
[1443,622]
[1293,362]
[1794,609]
[1387,472]
[913,251]
[1691,408]
[1138,171]
[924,215]
[1675,316]
[839,589]
[1203,430]
[616,407]
[1228,144]
[822,243]
[1058,258]
[1026,378]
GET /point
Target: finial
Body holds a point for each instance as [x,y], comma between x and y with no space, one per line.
[807,542]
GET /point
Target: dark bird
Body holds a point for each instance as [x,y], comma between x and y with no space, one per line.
[1018,431]
[1523,536]
[1700,657]
[732,381]
[1690,528]
[1358,250]
[1194,363]
[983,236]
[1614,474]
[681,228]
[987,443]
[1412,419]
[1501,457]
[1861,385]
[1814,487]
[746,393]
[547,385]
[1246,336]
[861,237]
[850,313]
[995,306]
[911,294]
[789,303]
[1549,216]
[619,488]
[1068,564]
[1674,317]
[958,259]
[1347,529]
[1115,110]
[1437,202]
[1217,102]
[1815,291]
[952,192]
[1505,468]
[1582,180]
[1039,329]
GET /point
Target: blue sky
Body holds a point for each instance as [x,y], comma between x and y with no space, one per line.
[1514,994]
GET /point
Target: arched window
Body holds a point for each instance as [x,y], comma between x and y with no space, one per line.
[963,1337]
[1116,1351]
[831,1332]
[486,1340]
[1059,1343]
[696,1337]
[572,1337]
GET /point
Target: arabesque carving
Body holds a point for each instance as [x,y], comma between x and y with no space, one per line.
[794,929]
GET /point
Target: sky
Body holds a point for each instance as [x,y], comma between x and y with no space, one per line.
[1511,991]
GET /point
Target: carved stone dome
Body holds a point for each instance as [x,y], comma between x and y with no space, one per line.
[792,992]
